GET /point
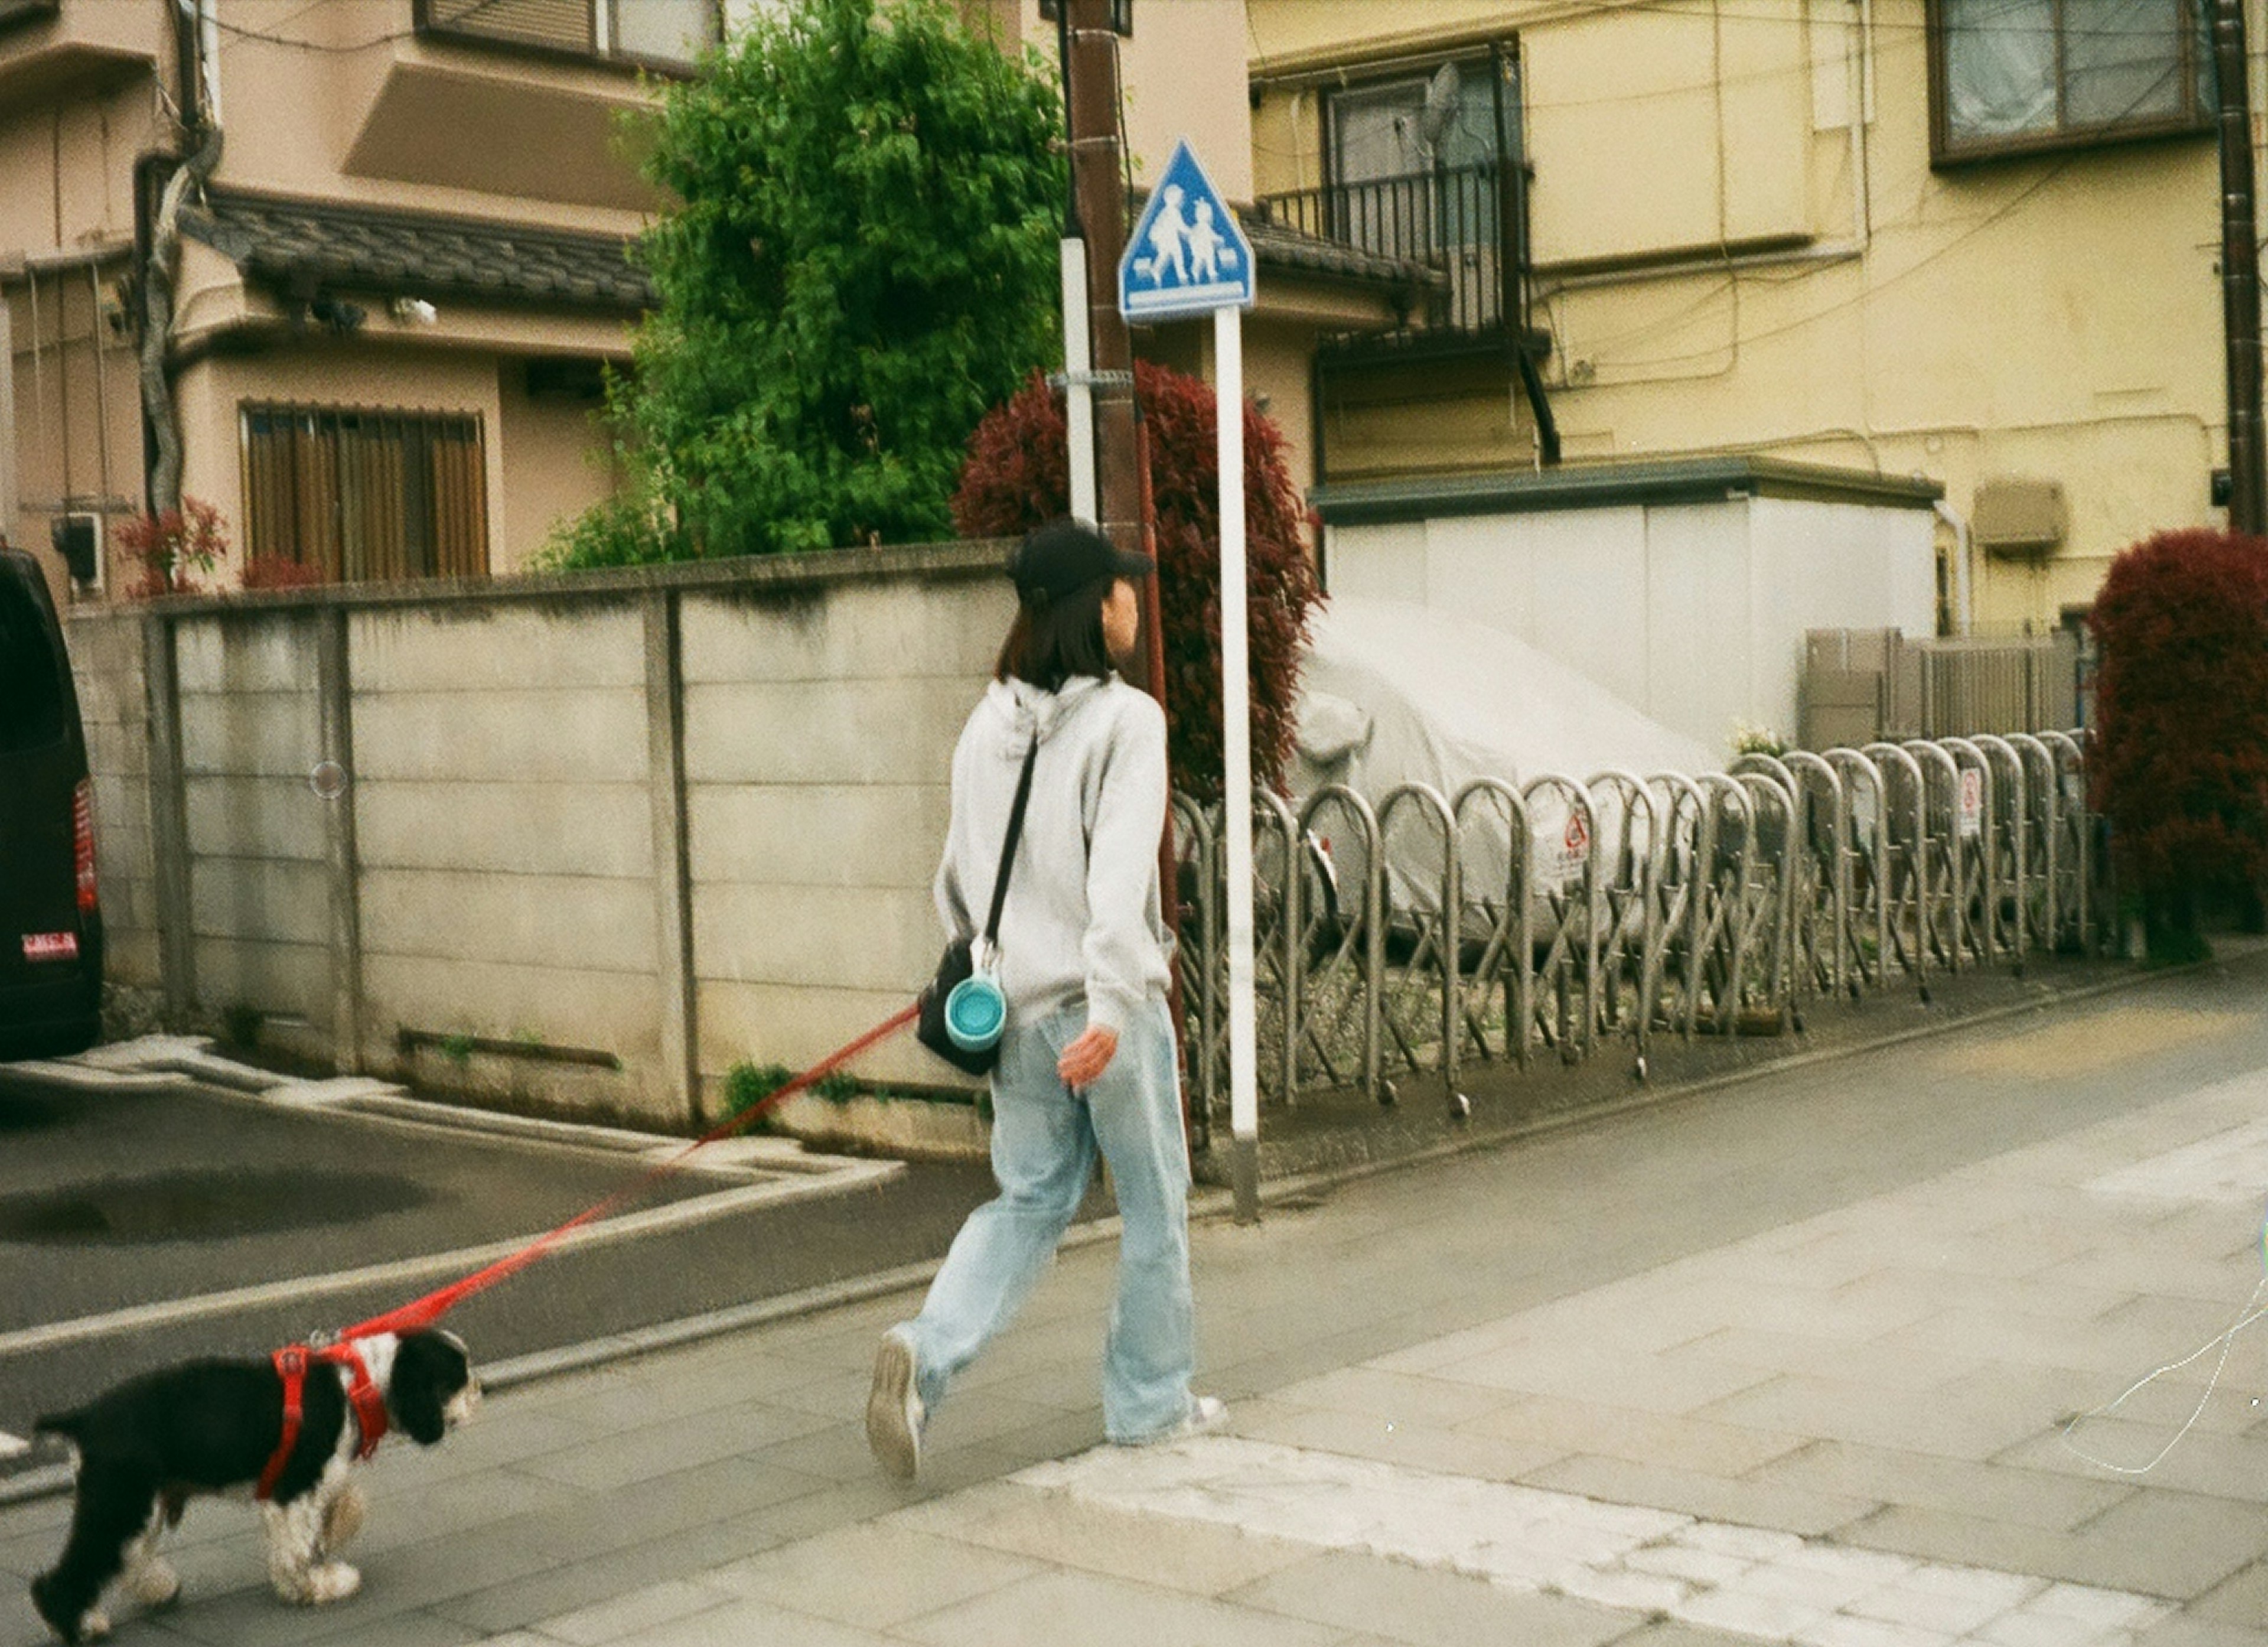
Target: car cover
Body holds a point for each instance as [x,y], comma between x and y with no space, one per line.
[1393,693]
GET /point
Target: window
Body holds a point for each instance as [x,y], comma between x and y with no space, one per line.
[31,670]
[667,33]
[2018,75]
[364,496]
[1394,128]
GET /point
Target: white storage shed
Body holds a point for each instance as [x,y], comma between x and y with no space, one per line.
[1683,585]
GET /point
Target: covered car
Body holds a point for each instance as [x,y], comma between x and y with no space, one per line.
[1394,693]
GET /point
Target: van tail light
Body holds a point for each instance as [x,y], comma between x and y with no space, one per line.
[82,842]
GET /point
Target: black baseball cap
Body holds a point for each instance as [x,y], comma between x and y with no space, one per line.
[1065,556]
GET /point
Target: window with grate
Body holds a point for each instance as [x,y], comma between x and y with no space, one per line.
[1425,168]
[2015,76]
[366,496]
[665,34]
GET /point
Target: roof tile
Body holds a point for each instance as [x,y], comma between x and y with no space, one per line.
[283,239]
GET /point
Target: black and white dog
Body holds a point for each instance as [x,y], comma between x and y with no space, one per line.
[287,1430]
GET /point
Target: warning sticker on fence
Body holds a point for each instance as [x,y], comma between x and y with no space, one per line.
[1972,802]
[1561,862]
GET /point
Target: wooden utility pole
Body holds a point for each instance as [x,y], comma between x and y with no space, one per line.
[2240,274]
[1098,149]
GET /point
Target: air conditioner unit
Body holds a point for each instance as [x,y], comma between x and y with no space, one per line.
[2019,518]
[77,538]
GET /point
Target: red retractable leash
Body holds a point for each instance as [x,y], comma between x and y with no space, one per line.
[291,1363]
[419,1314]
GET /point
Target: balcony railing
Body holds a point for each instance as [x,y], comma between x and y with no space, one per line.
[1465,225]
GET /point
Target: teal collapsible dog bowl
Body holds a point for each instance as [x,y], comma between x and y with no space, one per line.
[974,1013]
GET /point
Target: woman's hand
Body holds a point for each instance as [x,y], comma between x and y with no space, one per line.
[1088,1056]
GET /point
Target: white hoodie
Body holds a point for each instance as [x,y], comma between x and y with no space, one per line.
[1082,917]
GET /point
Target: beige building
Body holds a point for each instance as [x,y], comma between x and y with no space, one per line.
[386,288]
[394,231]
[1975,243]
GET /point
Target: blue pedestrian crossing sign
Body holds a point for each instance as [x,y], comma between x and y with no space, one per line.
[1188,255]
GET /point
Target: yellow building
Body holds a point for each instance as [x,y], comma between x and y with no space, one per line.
[388,283]
[1972,241]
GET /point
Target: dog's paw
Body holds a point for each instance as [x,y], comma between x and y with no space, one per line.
[333,1581]
[342,1518]
[85,1627]
[155,1584]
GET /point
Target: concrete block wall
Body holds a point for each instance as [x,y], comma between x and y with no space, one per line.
[614,833]
[819,734]
[106,663]
[502,825]
[250,741]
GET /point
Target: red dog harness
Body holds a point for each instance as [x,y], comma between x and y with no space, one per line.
[368,1400]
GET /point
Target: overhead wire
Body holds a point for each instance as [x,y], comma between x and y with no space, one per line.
[2053,171]
[300,43]
[1794,16]
[1869,291]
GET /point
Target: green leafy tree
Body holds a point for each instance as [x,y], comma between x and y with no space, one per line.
[863,261]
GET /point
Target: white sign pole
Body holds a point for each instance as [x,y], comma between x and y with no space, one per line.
[1078,364]
[1236,745]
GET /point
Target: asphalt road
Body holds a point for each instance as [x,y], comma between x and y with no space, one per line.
[117,1199]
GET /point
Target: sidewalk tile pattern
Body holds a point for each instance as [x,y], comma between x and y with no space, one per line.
[1761,1582]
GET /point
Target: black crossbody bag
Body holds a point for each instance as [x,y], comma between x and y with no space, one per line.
[959,961]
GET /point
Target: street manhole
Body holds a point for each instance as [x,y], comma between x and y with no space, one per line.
[206,1206]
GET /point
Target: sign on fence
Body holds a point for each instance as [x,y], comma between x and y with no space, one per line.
[1972,802]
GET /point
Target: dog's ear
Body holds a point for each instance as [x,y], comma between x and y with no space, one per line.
[429,1368]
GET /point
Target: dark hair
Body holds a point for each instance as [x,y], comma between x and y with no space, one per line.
[1051,640]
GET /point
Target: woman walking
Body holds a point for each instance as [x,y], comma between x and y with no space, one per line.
[1086,1059]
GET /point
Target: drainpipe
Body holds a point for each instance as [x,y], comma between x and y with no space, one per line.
[2240,264]
[1861,204]
[202,89]
[1512,273]
[1964,607]
[209,55]
[1547,426]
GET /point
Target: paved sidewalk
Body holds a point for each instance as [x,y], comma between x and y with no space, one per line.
[1790,1362]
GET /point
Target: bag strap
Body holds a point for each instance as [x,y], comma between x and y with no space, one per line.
[1008,847]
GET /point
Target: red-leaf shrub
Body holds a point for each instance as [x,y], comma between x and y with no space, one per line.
[2181,765]
[170,545]
[1017,476]
[281,572]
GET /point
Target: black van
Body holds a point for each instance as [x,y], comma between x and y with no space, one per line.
[50,921]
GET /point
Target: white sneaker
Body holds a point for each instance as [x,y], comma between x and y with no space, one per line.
[1206,1411]
[894,1414]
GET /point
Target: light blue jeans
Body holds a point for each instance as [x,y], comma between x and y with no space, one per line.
[1044,1139]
